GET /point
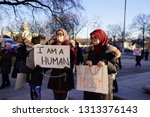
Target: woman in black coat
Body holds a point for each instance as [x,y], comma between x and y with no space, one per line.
[20,62]
[6,63]
[61,80]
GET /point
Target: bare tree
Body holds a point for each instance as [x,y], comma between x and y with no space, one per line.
[59,12]
[48,7]
[68,20]
[37,27]
[114,30]
[148,25]
[117,31]
[96,23]
[140,22]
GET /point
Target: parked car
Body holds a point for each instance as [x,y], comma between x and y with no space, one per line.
[11,41]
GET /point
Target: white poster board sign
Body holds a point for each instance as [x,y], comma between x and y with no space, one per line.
[52,56]
[137,52]
[93,79]
[20,81]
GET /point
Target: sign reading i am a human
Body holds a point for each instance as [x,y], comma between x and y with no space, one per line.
[93,79]
[52,56]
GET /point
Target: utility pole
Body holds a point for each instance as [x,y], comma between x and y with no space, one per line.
[124,27]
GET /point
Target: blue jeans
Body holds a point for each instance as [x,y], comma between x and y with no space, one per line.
[35,92]
[60,96]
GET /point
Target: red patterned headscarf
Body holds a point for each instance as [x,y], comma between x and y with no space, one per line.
[103,38]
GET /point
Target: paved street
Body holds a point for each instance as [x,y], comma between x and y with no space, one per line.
[131,79]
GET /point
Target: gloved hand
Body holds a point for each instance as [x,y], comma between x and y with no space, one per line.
[38,68]
[66,69]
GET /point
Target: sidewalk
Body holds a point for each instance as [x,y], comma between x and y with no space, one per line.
[132,89]
[130,80]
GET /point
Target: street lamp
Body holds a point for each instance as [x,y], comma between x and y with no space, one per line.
[124,29]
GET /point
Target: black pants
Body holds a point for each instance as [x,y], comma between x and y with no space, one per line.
[60,96]
[138,61]
[146,57]
[5,80]
[93,96]
[115,86]
[35,92]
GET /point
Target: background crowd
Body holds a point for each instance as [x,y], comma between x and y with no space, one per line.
[61,81]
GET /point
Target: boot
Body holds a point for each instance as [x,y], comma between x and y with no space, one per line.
[2,86]
[8,84]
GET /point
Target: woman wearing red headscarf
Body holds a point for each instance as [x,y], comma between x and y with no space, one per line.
[102,53]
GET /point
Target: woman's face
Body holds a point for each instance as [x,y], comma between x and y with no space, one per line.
[95,39]
[60,36]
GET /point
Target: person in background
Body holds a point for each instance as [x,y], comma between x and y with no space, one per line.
[21,55]
[102,53]
[61,80]
[79,57]
[78,53]
[137,52]
[51,40]
[6,63]
[146,54]
[72,46]
[42,40]
[34,76]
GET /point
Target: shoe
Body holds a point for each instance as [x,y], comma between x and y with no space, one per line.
[2,87]
[7,85]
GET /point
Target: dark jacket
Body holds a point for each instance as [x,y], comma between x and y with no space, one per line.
[6,61]
[62,79]
[20,57]
[20,62]
[35,76]
[110,60]
[79,56]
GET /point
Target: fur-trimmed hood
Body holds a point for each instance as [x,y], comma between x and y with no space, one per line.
[114,50]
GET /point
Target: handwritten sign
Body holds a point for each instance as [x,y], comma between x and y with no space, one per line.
[137,52]
[52,56]
[93,79]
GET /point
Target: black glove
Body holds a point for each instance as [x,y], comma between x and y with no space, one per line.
[66,69]
[38,68]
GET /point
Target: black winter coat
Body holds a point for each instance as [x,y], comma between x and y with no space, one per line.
[62,79]
[35,76]
[110,60]
[6,61]
[112,64]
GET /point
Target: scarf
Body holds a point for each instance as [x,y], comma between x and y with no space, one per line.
[103,38]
